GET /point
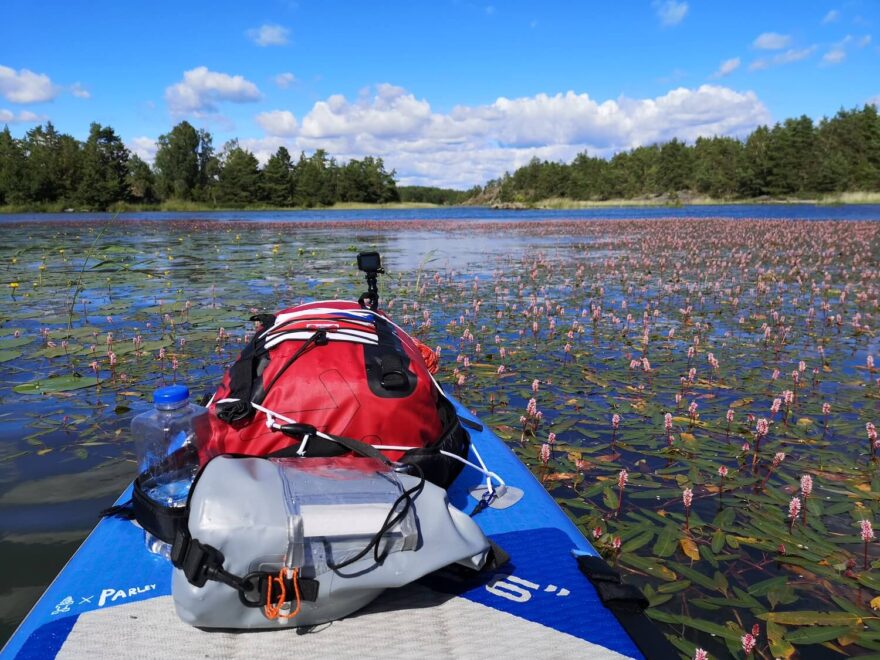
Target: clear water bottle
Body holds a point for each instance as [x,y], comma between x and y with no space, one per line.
[170,425]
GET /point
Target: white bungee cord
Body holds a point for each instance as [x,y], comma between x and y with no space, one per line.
[271,416]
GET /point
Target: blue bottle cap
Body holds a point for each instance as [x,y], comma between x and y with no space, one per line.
[171,395]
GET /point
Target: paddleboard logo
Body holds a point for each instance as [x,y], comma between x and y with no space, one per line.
[111,595]
[63,606]
[519,590]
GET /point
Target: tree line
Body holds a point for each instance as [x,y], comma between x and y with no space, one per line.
[797,157]
[46,167]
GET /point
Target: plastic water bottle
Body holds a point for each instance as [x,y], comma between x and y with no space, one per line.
[157,433]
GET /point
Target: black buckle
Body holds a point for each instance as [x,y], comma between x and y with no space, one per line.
[199,562]
[257,584]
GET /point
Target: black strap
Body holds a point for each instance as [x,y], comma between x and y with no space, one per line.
[244,376]
[159,520]
[201,562]
[627,603]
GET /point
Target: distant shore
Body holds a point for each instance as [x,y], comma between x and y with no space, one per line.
[558,203]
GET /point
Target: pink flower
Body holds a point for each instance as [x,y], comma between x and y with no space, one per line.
[580,464]
[794,507]
[692,374]
[112,357]
[748,643]
[551,438]
[778,458]
[722,471]
[616,543]
[646,366]
[777,404]
[502,352]
[775,375]
[597,532]
[615,421]
[535,385]
[501,369]
[746,447]
[667,422]
[763,427]
[174,364]
[729,415]
[94,366]
[461,380]
[532,408]
[872,432]
[867,531]
[692,409]
[677,398]
[687,496]
[700,654]
[622,478]
[869,361]
[802,366]
[545,453]
[826,408]
[788,397]
[806,485]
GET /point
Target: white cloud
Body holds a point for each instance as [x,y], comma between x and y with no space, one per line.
[834,56]
[79,91]
[144,147]
[279,123]
[727,67]
[837,53]
[285,80]
[670,12]
[25,86]
[269,35]
[471,144]
[23,117]
[201,90]
[874,100]
[771,41]
[788,57]
[832,16]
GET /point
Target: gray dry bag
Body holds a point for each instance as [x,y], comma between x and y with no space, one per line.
[303,541]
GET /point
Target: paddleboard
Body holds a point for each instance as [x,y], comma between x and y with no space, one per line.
[113,598]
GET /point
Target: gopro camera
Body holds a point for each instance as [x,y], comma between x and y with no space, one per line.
[370,262]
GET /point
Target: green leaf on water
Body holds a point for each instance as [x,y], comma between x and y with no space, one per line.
[666,543]
[7,355]
[815,634]
[56,384]
[811,618]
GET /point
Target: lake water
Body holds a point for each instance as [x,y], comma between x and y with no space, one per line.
[739,211]
[65,456]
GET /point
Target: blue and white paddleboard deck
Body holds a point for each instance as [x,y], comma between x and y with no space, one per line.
[113,598]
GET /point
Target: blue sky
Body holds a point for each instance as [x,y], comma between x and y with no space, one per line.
[449,92]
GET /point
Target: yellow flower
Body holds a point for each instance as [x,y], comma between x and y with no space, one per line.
[13,285]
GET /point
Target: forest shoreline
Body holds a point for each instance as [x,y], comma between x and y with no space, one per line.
[558,203]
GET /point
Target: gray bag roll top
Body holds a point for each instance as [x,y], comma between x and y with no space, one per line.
[301,541]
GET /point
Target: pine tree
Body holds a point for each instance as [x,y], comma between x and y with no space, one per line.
[277,179]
